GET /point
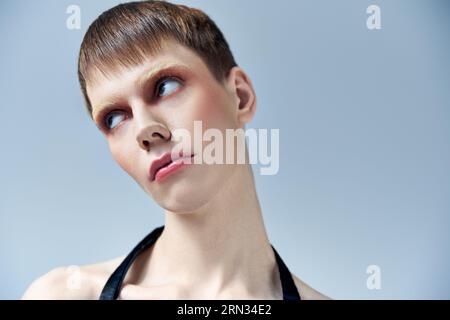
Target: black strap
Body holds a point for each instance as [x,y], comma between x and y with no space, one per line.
[290,291]
[112,287]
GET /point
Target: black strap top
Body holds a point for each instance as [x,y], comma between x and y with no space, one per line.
[112,287]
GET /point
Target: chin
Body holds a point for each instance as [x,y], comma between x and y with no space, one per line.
[184,202]
[186,197]
[189,191]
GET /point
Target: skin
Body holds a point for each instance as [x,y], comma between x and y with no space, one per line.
[214,245]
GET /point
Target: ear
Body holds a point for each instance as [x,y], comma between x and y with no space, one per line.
[244,93]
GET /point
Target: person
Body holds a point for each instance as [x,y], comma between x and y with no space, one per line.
[146,69]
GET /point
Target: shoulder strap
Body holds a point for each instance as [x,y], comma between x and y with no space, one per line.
[112,287]
[290,291]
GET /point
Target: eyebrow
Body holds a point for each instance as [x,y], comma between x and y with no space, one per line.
[143,80]
[140,82]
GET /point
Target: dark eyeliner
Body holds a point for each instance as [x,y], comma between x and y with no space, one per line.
[103,116]
[161,79]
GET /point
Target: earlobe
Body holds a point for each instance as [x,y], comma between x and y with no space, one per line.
[245,94]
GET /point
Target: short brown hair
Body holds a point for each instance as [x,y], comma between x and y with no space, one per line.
[123,35]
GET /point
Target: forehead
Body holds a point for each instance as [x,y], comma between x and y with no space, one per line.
[108,89]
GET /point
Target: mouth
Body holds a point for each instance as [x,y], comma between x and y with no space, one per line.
[166,165]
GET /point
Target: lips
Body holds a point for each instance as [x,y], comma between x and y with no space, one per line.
[163,161]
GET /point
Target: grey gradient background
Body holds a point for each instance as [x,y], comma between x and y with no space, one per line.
[364,156]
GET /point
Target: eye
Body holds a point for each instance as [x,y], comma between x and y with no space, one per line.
[113,118]
[167,86]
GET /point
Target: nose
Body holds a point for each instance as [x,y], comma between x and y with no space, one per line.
[151,134]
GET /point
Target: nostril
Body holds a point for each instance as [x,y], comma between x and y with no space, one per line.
[146,143]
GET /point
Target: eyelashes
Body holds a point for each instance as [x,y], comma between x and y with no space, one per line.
[162,80]
[111,117]
[110,121]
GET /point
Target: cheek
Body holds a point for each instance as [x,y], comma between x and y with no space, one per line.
[122,153]
[212,107]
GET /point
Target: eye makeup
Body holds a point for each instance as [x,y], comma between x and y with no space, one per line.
[154,86]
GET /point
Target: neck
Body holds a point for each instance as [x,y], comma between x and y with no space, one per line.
[220,249]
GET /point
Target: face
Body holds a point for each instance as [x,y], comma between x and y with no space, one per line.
[137,110]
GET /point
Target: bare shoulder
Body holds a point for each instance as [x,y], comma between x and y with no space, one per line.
[72,282]
[306,292]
